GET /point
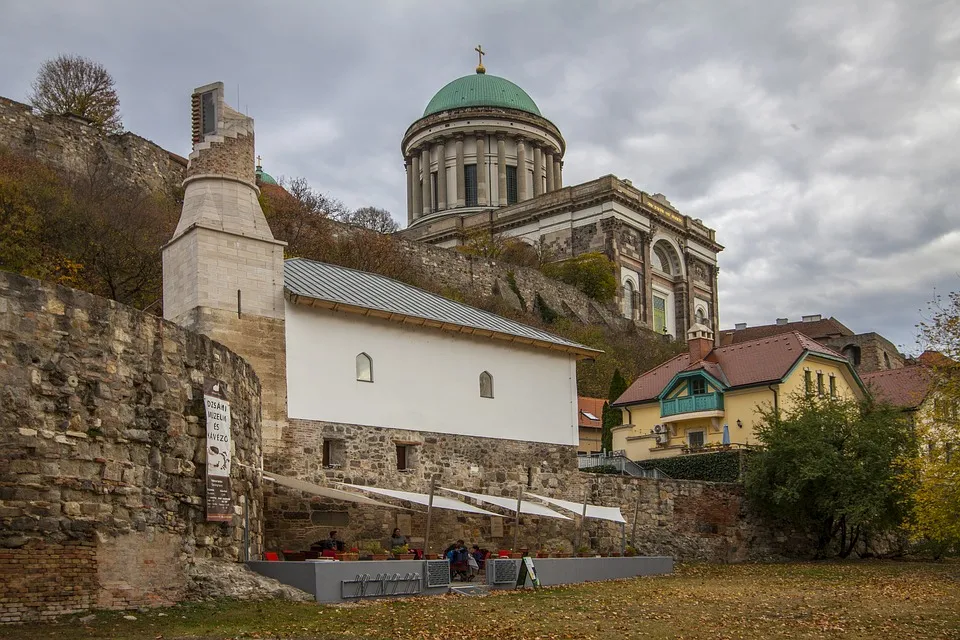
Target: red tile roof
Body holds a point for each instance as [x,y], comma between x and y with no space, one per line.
[906,387]
[738,365]
[593,406]
[818,330]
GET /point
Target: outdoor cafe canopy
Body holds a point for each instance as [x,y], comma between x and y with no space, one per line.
[530,508]
[439,502]
[326,492]
[593,510]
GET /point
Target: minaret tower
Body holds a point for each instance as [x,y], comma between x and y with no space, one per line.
[223,269]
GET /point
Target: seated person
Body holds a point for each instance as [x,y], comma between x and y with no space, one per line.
[333,543]
[397,539]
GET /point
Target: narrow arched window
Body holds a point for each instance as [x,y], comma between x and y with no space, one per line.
[364,368]
[628,299]
[486,385]
[701,316]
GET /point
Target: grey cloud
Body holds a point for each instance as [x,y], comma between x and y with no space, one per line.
[819,138]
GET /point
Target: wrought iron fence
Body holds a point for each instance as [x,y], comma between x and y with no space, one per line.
[616,462]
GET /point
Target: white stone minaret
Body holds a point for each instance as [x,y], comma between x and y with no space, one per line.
[223,269]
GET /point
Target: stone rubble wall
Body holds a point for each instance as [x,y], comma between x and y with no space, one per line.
[687,520]
[102,453]
[72,145]
[480,277]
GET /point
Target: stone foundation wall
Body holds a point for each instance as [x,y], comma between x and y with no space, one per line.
[686,520]
[102,451]
[72,145]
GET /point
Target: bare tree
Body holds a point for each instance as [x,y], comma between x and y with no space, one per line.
[371,218]
[79,86]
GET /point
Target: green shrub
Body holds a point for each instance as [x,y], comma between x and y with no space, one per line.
[593,273]
[721,466]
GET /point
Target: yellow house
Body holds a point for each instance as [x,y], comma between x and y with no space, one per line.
[710,396]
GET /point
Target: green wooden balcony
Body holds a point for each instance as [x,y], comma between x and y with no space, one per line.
[691,404]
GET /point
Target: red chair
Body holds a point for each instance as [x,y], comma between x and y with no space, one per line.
[271,556]
[328,553]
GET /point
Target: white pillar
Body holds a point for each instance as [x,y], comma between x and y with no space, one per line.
[548,161]
[521,170]
[501,170]
[416,192]
[537,170]
[406,165]
[461,185]
[425,171]
[441,175]
[482,193]
[557,173]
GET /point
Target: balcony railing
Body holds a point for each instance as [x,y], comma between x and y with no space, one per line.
[692,404]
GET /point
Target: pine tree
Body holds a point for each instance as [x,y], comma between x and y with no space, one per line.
[612,417]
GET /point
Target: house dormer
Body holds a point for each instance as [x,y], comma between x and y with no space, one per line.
[692,394]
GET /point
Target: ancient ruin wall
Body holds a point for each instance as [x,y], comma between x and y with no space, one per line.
[73,145]
[102,453]
[687,520]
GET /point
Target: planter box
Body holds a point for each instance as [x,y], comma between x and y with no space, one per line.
[516,555]
[406,556]
[543,554]
[433,556]
[378,556]
[586,554]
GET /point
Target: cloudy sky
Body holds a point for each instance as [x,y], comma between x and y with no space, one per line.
[822,140]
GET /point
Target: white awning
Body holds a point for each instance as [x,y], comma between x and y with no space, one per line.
[439,502]
[531,508]
[326,492]
[593,511]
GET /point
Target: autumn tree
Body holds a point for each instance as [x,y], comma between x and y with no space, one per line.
[70,84]
[935,521]
[830,467]
[371,218]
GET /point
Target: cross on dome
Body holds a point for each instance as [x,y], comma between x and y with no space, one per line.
[480,54]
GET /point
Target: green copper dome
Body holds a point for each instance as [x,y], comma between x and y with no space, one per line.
[263,177]
[481,90]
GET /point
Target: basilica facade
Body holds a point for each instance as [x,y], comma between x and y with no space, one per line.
[483,158]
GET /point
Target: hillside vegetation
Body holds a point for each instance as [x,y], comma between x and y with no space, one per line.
[93,231]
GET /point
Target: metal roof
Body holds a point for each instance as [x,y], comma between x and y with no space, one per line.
[481,90]
[339,288]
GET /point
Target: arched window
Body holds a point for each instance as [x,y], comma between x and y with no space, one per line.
[701,316]
[663,262]
[486,385]
[852,353]
[364,368]
[886,360]
[628,299]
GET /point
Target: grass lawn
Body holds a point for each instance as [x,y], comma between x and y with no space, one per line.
[890,600]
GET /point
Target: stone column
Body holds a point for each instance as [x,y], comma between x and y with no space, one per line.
[415,191]
[557,168]
[406,166]
[425,170]
[548,161]
[482,193]
[715,311]
[441,175]
[647,281]
[502,170]
[461,181]
[691,296]
[521,170]
[537,170]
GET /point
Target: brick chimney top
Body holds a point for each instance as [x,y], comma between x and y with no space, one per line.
[700,342]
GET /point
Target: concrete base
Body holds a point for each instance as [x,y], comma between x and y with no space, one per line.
[323,579]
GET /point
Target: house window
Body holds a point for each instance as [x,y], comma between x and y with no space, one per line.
[402,457]
[364,368]
[833,386]
[333,452]
[208,113]
[486,385]
[808,382]
[695,439]
[820,383]
[512,197]
[470,184]
[698,386]
[659,314]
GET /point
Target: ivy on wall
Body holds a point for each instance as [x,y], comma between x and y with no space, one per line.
[720,466]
